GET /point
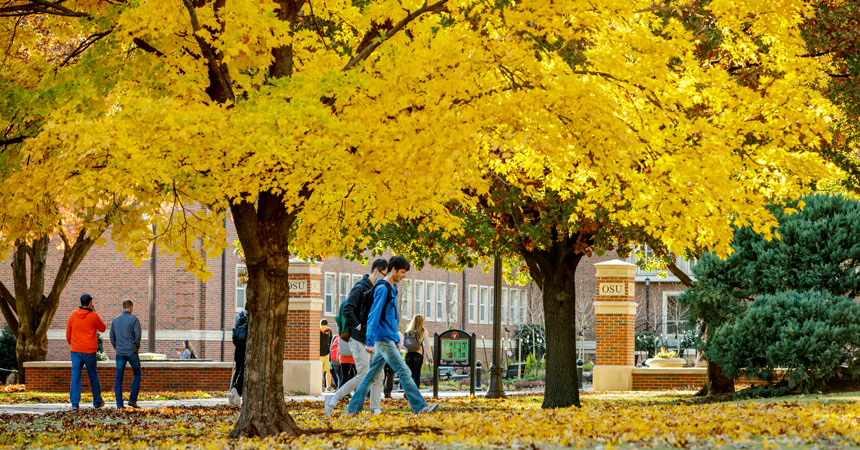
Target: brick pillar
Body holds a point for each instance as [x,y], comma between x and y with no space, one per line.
[302,366]
[615,314]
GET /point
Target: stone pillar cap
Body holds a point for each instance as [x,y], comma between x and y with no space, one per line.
[615,262]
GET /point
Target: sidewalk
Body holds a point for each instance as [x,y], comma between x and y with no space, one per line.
[44,408]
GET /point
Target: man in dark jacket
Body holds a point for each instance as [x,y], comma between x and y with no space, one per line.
[125,339]
[355,311]
[240,339]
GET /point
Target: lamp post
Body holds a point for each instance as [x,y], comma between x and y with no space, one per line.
[647,304]
[496,390]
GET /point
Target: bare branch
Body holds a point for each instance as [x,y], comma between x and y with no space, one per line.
[365,52]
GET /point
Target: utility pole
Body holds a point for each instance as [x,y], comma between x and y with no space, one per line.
[496,390]
[152,286]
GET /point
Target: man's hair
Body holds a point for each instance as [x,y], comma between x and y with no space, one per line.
[127,303]
[323,322]
[86,299]
[398,263]
[380,265]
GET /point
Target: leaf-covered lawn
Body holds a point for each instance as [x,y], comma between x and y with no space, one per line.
[629,420]
[16,394]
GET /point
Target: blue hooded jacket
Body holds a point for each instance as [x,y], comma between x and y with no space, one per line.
[383,318]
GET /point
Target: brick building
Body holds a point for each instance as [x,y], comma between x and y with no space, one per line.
[202,312]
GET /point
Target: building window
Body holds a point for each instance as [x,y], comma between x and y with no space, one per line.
[452,303]
[441,298]
[485,291]
[343,291]
[419,298]
[504,304]
[329,294]
[429,299]
[241,284]
[512,306]
[676,316]
[406,310]
[524,299]
[473,300]
[491,312]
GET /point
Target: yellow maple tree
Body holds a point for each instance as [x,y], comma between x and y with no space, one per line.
[312,121]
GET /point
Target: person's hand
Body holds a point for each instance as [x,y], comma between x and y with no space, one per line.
[370,349]
[358,328]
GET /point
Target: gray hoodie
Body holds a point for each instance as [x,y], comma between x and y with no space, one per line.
[125,334]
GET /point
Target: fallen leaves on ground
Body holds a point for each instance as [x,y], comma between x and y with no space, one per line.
[605,420]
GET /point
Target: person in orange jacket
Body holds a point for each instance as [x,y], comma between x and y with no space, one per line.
[83,344]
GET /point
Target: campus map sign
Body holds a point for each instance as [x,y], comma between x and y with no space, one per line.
[454,349]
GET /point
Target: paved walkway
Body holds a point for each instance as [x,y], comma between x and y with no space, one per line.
[44,408]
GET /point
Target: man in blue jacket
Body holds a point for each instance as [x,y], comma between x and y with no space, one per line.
[125,338]
[382,340]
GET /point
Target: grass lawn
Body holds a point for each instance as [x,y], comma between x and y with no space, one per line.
[669,419]
[16,395]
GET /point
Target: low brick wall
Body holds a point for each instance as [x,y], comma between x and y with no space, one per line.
[55,376]
[653,379]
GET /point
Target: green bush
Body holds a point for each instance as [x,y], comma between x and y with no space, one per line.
[646,341]
[815,336]
[8,359]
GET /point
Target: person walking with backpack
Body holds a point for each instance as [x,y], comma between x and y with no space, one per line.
[125,338]
[352,326]
[382,340]
[240,337]
[81,334]
[414,339]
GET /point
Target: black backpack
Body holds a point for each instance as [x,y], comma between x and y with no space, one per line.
[366,301]
[240,331]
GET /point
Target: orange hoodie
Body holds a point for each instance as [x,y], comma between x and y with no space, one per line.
[81,331]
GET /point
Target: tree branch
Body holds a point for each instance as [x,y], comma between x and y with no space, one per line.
[40,7]
[365,52]
[8,307]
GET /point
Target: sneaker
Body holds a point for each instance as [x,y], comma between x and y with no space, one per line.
[430,408]
[233,398]
[99,405]
[376,411]
[329,405]
[133,405]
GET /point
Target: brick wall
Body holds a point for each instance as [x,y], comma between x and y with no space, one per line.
[615,335]
[659,379]
[156,377]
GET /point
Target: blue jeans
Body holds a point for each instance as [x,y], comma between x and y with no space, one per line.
[78,361]
[387,352]
[134,361]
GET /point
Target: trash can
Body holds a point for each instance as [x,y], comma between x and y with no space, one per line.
[478,374]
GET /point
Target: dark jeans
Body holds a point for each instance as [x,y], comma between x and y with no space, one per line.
[335,375]
[79,360]
[134,361]
[388,381]
[414,361]
[239,371]
[347,372]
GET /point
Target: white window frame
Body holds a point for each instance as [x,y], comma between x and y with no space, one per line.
[429,300]
[407,299]
[492,305]
[329,297]
[524,299]
[513,307]
[240,288]
[452,303]
[504,305]
[441,302]
[473,303]
[482,303]
[418,307]
[342,290]
[665,325]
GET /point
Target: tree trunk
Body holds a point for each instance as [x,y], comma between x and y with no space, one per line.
[29,348]
[717,383]
[264,234]
[554,271]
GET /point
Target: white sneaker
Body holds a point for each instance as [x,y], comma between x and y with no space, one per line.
[234,398]
[429,408]
[376,411]
[329,405]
